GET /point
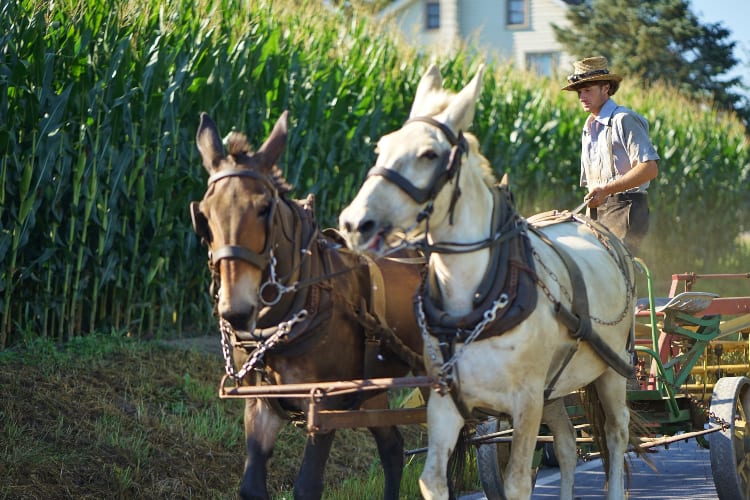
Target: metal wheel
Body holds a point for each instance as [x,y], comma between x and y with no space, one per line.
[730,448]
[492,459]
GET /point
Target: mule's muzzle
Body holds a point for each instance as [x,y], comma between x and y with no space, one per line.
[242,323]
[368,236]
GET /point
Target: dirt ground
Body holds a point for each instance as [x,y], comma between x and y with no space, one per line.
[210,344]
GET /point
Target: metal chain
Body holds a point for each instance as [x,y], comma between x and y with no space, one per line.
[282,331]
[566,293]
[718,420]
[422,323]
[280,289]
[446,369]
[695,402]
[554,277]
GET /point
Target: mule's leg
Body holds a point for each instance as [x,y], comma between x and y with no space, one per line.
[527,416]
[309,483]
[391,450]
[555,415]
[611,388]
[444,423]
[262,426]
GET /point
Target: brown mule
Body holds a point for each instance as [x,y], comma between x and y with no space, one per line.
[296,307]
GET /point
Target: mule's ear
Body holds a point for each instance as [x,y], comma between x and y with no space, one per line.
[209,143]
[274,145]
[432,81]
[460,112]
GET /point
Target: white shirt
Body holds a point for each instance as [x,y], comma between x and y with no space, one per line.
[630,145]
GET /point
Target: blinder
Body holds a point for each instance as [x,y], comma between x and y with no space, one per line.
[200,223]
[450,166]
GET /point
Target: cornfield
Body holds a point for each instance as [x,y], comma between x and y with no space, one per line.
[99,102]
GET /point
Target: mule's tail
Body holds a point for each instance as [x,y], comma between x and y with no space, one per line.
[639,428]
[458,460]
[595,416]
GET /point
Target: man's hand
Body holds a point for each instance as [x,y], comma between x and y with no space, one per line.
[639,174]
[596,197]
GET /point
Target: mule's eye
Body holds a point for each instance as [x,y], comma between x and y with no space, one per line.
[428,154]
[265,210]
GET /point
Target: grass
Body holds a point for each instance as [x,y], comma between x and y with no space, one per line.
[108,416]
[99,103]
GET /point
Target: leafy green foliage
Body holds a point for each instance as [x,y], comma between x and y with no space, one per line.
[99,103]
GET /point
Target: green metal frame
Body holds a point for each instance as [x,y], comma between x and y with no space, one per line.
[668,375]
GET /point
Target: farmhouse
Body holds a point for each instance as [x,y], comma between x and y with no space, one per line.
[516,30]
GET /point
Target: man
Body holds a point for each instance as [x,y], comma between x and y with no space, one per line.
[618,159]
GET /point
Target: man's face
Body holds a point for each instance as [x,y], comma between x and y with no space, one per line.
[593,96]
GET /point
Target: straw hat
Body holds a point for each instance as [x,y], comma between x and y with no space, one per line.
[592,69]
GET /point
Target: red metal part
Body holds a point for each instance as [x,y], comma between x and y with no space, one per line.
[691,278]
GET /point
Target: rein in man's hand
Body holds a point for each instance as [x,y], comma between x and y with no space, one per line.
[596,197]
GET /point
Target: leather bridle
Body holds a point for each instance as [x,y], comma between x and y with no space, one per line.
[450,167]
[273,287]
[257,259]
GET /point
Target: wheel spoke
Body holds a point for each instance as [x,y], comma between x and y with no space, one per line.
[730,402]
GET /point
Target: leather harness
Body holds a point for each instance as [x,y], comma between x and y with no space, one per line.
[511,271]
[317,258]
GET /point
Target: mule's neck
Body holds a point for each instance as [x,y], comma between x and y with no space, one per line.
[458,275]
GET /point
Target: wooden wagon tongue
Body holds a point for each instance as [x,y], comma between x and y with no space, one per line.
[320,420]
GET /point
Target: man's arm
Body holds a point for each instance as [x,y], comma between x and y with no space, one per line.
[640,173]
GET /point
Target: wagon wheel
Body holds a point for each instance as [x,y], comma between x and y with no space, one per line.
[492,459]
[730,448]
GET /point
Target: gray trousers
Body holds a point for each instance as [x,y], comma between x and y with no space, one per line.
[626,215]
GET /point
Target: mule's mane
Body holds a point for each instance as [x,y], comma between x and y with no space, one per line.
[237,145]
[438,101]
[239,148]
[484,164]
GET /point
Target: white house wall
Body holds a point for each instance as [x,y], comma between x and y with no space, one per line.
[540,37]
[483,23]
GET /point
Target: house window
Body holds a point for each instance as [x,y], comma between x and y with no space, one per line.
[543,63]
[432,15]
[517,12]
